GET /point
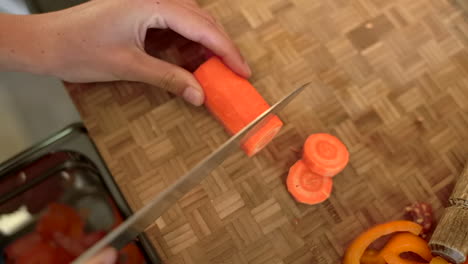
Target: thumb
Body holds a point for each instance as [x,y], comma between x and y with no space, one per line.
[167,76]
[107,256]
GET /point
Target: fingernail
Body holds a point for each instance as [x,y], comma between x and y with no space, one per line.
[193,96]
[249,71]
[108,256]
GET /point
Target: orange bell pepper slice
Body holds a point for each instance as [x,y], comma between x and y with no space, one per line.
[372,256]
[358,246]
[405,242]
[438,260]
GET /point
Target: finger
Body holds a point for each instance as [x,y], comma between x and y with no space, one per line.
[107,256]
[205,31]
[176,80]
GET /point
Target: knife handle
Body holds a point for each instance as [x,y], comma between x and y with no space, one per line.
[450,238]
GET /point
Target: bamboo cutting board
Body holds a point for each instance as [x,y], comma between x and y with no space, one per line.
[392,84]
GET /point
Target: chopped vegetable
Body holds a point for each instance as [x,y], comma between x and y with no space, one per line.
[60,218]
[22,245]
[306,186]
[130,254]
[405,242]
[372,256]
[421,213]
[89,239]
[76,247]
[438,260]
[235,103]
[44,253]
[359,245]
[60,237]
[325,155]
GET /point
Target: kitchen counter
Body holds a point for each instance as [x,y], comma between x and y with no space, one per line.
[391,82]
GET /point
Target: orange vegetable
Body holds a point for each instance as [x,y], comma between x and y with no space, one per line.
[306,186]
[372,256]
[358,246]
[438,260]
[405,242]
[235,103]
[325,155]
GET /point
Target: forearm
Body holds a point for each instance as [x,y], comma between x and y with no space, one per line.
[25,44]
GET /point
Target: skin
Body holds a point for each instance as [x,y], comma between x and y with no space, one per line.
[107,256]
[103,40]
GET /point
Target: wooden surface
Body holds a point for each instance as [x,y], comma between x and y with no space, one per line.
[392,84]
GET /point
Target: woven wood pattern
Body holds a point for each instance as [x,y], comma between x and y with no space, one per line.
[392,84]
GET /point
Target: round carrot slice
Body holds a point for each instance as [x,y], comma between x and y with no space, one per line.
[306,186]
[325,155]
[262,137]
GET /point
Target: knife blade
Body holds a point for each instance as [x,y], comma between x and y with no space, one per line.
[147,215]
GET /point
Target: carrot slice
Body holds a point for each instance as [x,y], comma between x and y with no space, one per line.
[306,186]
[358,246]
[325,155]
[234,102]
[405,242]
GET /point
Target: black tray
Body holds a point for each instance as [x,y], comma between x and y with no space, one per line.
[80,158]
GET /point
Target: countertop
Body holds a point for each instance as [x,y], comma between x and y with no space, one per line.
[391,81]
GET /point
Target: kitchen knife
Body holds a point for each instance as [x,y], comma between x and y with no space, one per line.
[147,215]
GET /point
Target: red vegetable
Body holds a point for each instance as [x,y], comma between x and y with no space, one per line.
[130,254]
[325,155]
[235,103]
[89,239]
[22,245]
[59,238]
[421,213]
[44,253]
[306,186]
[60,218]
[76,247]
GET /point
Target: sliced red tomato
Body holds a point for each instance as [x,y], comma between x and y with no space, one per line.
[60,218]
[89,239]
[131,254]
[71,246]
[76,247]
[21,245]
[44,253]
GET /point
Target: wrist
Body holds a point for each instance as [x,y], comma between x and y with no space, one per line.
[28,45]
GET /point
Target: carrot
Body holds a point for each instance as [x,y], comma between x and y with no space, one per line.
[405,242]
[325,155]
[358,246]
[306,186]
[235,103]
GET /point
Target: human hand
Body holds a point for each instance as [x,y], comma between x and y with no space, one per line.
[107,256]
[103,40]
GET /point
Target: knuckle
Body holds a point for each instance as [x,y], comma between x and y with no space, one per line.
[208,17]
[167,81]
